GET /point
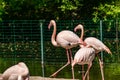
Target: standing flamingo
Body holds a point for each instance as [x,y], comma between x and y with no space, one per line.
[92,41]
[66,39]
[83,56]
[96,44]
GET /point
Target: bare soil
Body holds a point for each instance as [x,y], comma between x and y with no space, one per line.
[46,78]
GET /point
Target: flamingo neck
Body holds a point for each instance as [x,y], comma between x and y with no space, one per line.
[82,33]
[20,77]
[54,35]
[23,66]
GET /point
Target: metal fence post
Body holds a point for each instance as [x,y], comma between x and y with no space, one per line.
[14,50]
[42,52]
[117,40]
[101,37]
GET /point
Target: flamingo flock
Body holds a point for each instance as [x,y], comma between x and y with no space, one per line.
[89,48]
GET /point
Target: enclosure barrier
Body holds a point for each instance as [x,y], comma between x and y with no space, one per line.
[30,41]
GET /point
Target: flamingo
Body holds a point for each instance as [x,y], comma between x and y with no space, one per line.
[16,72]
[84,56]
[92,41]
[96,44]
[66,39]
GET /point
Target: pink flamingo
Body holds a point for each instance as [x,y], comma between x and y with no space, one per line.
[92,41]
[96,44]
[83,56]
[16,72]
[66,39]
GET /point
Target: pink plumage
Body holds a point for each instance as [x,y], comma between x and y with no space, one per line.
[84,56]
[92,41]
[97,44]
[66,39]
[89,42]
[14,72]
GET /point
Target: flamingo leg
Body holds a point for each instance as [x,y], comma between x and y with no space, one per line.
[73,70]
[71,58]
[88,78]
[89,66]
[68,57]
[101,67]
[82,71]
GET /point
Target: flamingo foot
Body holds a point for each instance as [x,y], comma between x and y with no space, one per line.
[68,56]
[53,75]
[83,78]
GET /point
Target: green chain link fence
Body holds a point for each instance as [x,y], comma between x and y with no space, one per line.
[29,41]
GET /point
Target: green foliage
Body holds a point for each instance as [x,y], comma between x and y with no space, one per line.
[69,5]
[58,9]
[22,9]
[106,12]
[40,9]
[112,70]
[2,6]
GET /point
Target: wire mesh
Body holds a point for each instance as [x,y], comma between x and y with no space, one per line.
[20,40]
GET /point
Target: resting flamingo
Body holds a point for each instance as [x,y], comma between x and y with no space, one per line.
[66,39]
[96,44]
[83,56]
[16,72]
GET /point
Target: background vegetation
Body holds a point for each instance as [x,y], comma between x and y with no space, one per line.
[20,40]
[59,9]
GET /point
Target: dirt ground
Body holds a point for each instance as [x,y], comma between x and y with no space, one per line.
[45,78]
[41,78]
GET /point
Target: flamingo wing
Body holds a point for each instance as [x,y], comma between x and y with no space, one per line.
[97,44]
[67,39]
[84,55]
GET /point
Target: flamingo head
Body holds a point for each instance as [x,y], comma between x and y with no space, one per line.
[79,26]
[52,23]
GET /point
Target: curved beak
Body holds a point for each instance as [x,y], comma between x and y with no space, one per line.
[75,29]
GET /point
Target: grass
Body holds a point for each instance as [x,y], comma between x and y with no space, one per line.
[111,70]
